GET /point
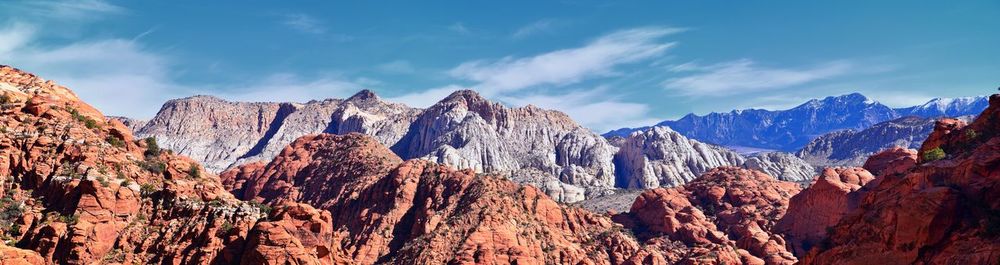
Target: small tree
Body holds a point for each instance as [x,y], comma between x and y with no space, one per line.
[194,171]
[934,154]
[152,148]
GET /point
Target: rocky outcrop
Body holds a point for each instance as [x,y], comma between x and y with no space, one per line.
[392,211]
[531,144]
[78,188]
[132,124]
[822,205]
[729,210]
[891,161]
[943,211]
[363,113]
[783,166]
[16,256]
[415,212]
[293,234]
[214,131]
[223,134]
[659,156]
[852,148]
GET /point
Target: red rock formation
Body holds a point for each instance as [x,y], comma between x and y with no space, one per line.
[729,210]
[80,189]
[820,206]
[943,130]
[386,210]
[16,256]
[891,161]
[940,212]
[294,234]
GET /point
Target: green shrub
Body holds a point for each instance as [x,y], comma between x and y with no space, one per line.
[225,228]
[154,166]
[264,208]
[115,141]
[152,148]
[147,189]
[194,171]
[104,181]
[4,99]
[90,123]
[69,219]
[934,154]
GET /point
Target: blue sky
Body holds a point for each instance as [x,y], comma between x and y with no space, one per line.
[607,64]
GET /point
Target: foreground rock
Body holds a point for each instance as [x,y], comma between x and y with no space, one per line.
[417,212]
[822,205]
[943,211]
[729,210]
[79,189]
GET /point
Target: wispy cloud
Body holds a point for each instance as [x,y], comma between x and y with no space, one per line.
[116,75]
[744,76]
[304,23]
[428,97]
[396,67]
[122,77]
[534,28]
[66,10]
[596,109]
[508,79]
[597,58]
[458,27]
[294,88]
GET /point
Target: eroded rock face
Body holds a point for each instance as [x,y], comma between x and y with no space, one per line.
[80,189]
[783,166]
[852,148]
[293,234]
[417,212]
[822,205]
[659,156]
[223,134]
[939,212]
[729,209]
[891,161]
[469,131]
[529,145]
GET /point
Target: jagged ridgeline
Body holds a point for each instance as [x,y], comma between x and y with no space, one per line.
[529,145]
[79,188]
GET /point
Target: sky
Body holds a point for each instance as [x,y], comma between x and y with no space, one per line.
[608,64]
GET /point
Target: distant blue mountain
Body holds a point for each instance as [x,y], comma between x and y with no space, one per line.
[790,129]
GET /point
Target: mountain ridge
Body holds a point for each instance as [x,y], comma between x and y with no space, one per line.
[790,129]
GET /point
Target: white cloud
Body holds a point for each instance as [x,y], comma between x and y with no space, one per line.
[66,10]
[743,76]
[121,77]
[304,23]
[458,27]
[292,88]
[428,97]
[396,67]
[504,79]
[594,108]
[562,67]
[14,36]
[533,28]
[117,76]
